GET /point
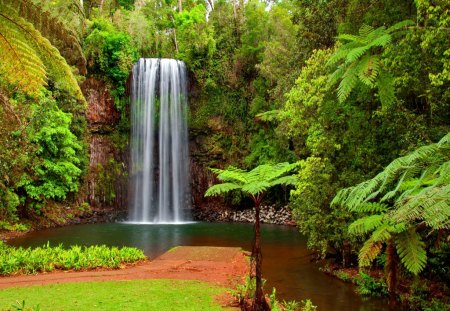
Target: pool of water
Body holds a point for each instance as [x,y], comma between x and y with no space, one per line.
[286,261]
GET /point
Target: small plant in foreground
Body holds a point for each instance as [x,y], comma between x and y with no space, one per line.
[20,306]
[304,305]
[369,286]
[42,259]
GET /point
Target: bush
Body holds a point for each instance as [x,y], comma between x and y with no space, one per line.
[369,286]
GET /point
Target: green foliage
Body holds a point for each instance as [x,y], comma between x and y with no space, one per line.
[110,54]
[46,258]
[246,290]
[360,63]
[253,183]
[30,59]
[407,179]
[368,286]
[54,166]
[195,40]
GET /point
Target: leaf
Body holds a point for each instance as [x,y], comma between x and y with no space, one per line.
[365,224]
[411,250]
[369,252]
[348,83]
[400,25]
[221,189]
[21,65]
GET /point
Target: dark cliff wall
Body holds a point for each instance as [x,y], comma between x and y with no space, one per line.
[106,184]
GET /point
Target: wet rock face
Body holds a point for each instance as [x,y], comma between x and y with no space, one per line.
[108,178]
[102,116]
[106,185]
[201,177]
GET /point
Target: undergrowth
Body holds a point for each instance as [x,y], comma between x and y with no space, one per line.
[44,259]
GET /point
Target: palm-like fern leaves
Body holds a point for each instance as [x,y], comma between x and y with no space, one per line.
[254,182]
[40,13]
[411,250]
[21,65]
[403,178]
[30,58]
[417,189]
[359,61]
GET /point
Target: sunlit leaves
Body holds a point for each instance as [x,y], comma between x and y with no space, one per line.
[254,182]
[359,62]
[416,188]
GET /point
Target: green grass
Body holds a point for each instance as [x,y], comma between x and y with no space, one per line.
[41,259]
[116,295]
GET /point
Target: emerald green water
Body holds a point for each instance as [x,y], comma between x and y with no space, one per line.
[286,261]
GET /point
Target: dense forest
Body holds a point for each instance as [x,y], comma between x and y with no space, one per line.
[356,92]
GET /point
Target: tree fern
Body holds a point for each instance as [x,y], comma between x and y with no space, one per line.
[359,62]
[412,191]
[254,184]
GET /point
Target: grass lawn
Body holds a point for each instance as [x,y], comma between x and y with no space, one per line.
[116,295]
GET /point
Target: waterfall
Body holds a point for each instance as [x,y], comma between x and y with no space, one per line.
[159,171]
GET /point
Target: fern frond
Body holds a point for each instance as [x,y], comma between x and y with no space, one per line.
[393,192]
[370,250]
[365,224]
[371,207]
[46,56]
[431,204]
[51,26]
[348,82]
[411,250]
[285,181]
[254,182]
[400,25]
[348,37]
[381,41]
[221,189]
[231,174]
[336,75]
[339,54]
[255,188]
[382,233]
[356,53]
[386,90]
[365,30]
[369,67]
[21,66]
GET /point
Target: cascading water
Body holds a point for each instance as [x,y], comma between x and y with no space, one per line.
[159,188]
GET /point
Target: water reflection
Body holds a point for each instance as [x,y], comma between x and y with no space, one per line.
[286,261]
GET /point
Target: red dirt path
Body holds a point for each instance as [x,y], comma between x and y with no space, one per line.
[223,266]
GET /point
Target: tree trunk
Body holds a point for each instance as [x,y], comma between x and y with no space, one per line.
[259,303]
[391,265]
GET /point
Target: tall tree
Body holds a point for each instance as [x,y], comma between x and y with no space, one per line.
[254,184]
